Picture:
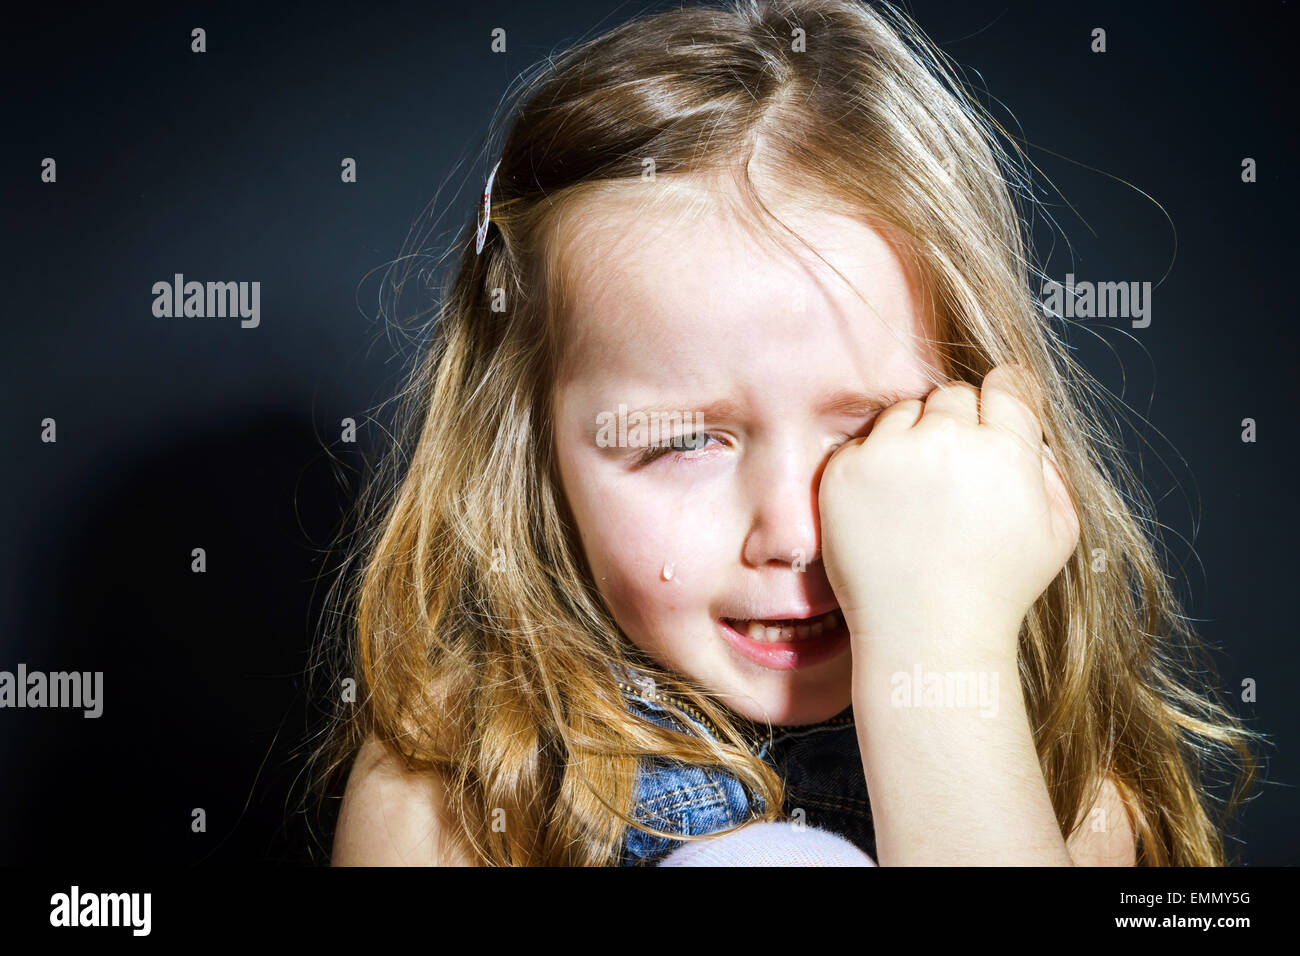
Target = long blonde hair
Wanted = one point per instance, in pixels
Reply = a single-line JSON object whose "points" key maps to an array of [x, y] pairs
{"points": [[466, 613]]}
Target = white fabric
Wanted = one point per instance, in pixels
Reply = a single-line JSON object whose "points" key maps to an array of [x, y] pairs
{"points": [[770, 843]]}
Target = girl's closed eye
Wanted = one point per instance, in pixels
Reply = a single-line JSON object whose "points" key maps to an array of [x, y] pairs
{"points": [[688, 446]]}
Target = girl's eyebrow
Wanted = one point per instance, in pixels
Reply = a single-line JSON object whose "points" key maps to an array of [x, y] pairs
{"points": [[858, 404]]}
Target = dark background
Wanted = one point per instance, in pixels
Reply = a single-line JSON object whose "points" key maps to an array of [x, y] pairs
{"points": [[180, 433]]}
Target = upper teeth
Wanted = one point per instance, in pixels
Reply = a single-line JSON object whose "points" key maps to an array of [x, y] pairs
{"points": [[768, 633]]}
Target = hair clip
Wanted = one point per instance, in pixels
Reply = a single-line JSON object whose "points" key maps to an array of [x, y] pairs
{"points": [[486, 215]]}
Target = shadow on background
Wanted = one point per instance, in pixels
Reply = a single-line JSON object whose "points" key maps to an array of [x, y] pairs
{"points": [[203, 702]]}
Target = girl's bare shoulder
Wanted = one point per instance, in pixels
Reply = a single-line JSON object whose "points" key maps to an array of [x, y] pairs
{"points": [[394, 817], [1104, 835]]}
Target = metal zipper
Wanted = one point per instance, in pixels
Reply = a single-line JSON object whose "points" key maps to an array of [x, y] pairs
{"points": [[754, 745]]}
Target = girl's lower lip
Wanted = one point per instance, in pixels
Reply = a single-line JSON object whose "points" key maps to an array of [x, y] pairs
{"points": [[788, 655]]}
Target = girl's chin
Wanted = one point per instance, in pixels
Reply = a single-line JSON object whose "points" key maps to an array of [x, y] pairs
{"points": [[788, 706], [788, 717]]}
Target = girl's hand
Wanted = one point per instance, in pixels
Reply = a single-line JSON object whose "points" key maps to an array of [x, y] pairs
{"points": [[944, 524]]}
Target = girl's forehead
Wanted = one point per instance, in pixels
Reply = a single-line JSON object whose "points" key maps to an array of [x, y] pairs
{"points": [[661, 289]]}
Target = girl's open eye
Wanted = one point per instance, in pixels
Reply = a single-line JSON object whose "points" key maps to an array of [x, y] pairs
{"points": [[684, 446]]}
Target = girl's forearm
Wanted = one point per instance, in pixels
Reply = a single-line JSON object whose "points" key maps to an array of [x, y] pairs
{"points": [[950, 763]]}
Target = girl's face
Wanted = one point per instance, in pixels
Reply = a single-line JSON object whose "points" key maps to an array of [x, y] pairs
{"points": [[785, 364]]}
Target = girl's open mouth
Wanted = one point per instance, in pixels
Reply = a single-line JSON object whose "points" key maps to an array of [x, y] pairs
{"points": [[770, 632], [788, 644]]}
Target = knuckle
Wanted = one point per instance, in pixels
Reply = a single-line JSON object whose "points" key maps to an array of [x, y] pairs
{"points": [[957, 386]]}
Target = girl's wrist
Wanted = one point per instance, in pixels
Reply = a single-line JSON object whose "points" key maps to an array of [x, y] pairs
{"points": [[948, 689], [973, 643]]}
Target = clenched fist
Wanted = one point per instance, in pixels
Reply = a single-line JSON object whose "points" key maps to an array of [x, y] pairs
{"points": [[944, 524]]}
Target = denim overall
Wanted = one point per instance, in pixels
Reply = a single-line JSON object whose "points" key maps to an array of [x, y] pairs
{"points": [[820, 762]]}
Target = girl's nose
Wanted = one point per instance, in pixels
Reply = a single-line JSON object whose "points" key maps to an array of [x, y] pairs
{"points": [[785, 525]]}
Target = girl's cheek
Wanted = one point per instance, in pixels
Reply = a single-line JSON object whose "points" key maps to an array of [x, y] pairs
{"points": [[655, 551], [651, 582]]}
